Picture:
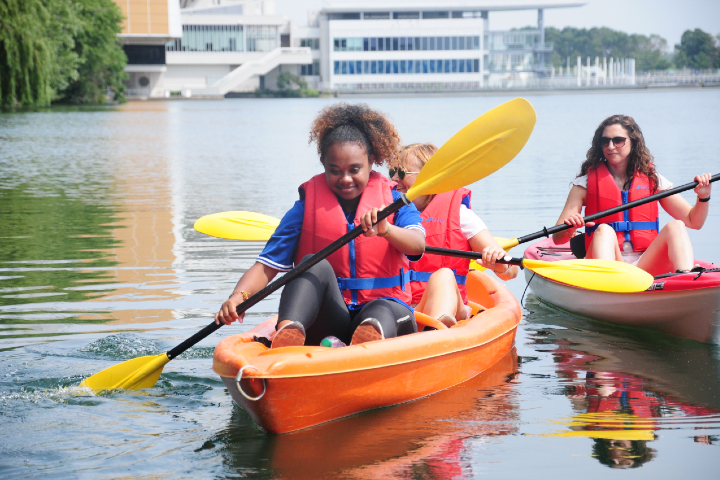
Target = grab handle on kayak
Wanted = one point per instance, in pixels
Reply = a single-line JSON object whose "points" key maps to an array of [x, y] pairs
{"points": [[238, 377]]}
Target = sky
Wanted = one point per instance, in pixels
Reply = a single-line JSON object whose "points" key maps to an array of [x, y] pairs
{"points": [[667, 18]]}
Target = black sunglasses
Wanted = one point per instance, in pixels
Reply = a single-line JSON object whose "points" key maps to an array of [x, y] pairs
{"points": [[400, 172], [617, 141]]}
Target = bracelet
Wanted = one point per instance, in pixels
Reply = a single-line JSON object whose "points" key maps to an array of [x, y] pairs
{"points": [[387, 232], [244, 294], [703, 200]]}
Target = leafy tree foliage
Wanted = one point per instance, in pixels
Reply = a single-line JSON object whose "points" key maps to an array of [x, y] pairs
{"points": [[59, 51], [648, 52], [697, 49]]}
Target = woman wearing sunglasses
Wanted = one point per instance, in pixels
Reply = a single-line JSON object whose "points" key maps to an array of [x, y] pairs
{"points": [[358, 293], [619, 169], [438, 286]]}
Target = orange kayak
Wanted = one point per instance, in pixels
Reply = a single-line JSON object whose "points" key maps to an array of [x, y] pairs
{"points": [[291, 388]]}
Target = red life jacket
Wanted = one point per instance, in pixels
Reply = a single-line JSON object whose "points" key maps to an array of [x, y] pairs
{"points": [[441, 220], [368, 267], [640, 225]]}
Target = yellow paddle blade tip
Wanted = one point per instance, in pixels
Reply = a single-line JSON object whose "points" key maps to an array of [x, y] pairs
{"points": [[483, 146], [140, 372], [238, 225], [600, 275]]}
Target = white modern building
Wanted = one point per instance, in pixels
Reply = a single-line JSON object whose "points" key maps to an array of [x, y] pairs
{"points": [[422, 45], [219, 48]]}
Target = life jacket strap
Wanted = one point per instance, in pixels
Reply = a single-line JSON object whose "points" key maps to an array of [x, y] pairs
{"points": [[372, 283], [627, 226]]}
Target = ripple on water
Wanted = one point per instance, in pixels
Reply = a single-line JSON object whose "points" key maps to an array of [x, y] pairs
{"points": [[121, 346]]}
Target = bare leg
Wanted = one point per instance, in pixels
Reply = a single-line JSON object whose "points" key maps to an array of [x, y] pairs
{"points": [[604, 244], [442, 296], [670, 251]]}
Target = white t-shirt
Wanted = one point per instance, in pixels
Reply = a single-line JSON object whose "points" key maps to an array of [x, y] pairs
{"points": [[629, 256], [470, 224]]}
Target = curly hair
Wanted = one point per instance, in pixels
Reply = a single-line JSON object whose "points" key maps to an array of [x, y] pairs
{"points": [[641, 160], [345, 123], [421, 151]]}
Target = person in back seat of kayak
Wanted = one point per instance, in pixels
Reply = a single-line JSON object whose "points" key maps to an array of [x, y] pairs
{"points": [[438, 286], [359, 293], [619, 169]]}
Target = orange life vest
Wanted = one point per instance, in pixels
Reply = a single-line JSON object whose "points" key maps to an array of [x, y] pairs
{"points": [[640, 225], [441, 220], [368, 267]]}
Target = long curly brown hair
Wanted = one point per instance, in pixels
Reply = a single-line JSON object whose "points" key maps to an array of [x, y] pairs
{"points": [[345, 123], [641, 160]]}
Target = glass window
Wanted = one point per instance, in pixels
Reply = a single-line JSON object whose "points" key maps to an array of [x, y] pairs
{"points": [[358, 67], [476, 43], [381, 44], [351, 68], [432, 66], [395, 66], [344, 16], [417, 66], [435, 15], [376, 15], [262, 38], [403, 66], [454, 66], [406, 15], [373, 66], [439, 43], [395, 43], [425, 66], [366, 67], [366, 44], [417, 43], [410, 66], [476, 65], [447, 66], [388, 66], [373, 44], [336, 44], [454, 45], [343, 68], [424, 43], [447, 43], [388, 44], [461, 68], [403, 41]]}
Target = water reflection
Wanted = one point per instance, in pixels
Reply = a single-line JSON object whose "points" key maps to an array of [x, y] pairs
{"points": [[626, 387], [421, 439]]}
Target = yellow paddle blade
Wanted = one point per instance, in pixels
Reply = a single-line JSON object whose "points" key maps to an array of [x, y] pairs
{"points": [[496, 137], [608, 425], [503, 244], [141, 372], [601, 275], [606, 434], [239, 225]]}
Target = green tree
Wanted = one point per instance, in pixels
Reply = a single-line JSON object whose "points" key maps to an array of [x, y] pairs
{"points": [[649, 52], [26, 53], [697, 49], [102, 59], [59, 50]]}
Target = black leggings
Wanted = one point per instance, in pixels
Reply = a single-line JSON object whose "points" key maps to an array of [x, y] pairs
{"points": [[314, 300]]}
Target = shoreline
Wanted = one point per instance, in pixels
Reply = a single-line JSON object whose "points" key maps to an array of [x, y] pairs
{"points": [[464, 93]]}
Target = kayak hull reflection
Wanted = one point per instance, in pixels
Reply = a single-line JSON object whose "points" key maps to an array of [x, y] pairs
{"points": [[306, 386]]}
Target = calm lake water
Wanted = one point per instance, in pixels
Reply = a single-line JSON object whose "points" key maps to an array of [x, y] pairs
{"points": [[99, 263]]}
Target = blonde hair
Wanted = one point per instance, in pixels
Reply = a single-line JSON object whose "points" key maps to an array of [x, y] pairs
{"points": [[421, 151]]}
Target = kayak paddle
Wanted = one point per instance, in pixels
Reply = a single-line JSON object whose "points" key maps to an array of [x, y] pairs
{"points": [[483, 146], [601, 275], [546, 232]]}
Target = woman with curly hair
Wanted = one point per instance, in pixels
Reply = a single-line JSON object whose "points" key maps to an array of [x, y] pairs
{"points": [[438, 286], [619, 169], [358, 293]]}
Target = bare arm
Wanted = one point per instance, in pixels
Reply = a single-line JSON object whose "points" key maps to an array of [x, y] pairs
{"points": [[252, 281], [692, 216], [491, 252], [409, 241], [572, 214]]}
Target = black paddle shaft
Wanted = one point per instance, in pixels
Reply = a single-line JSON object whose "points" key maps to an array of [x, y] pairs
{"points": [[546, 232], [471, 255], [289, 276]]}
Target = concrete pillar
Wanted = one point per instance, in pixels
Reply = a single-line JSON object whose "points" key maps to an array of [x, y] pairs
{"points": [[579, 72], [597, 71], [587, 71], [632, 71], [325, 48], [604, 70], [541, 28], [610, 70]]}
